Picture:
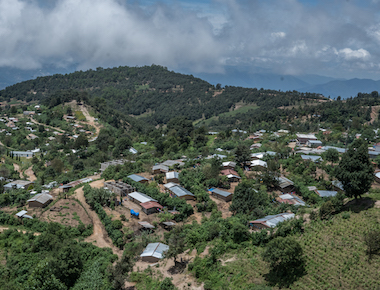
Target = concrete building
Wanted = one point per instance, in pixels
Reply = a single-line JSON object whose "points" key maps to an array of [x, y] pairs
{"points": [[120, 188]]}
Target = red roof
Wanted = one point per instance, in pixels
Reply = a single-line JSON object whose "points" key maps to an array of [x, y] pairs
{"points": [[229, 171], [151, 204]]}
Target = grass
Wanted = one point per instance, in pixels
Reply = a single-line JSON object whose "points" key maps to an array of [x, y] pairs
{"points": [[142, 87], [79, 116]]}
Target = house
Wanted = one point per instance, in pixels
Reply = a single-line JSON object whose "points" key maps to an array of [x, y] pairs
{"points": [[26, 154], [221, 194], [377, 177], [150, 207], [326, 193], [29, 113], [229, 165], [261, 155], [172, 177], [303, 138], [255, 146], [138, 197], [291, 199], [138, 178], [258, 165], [314, 143], [313, 158], [180, 192], [271, 221], [65, 187], [154, 252], [285, 184], [18, 184], [340, 150], [232, 175], [120, 188], [160, 168], [40, 200]]}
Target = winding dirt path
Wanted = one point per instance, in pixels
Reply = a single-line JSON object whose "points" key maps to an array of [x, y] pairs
{"points": [[50, 127], [17, 168], [31, 176], [99, 237], [90, 120]]}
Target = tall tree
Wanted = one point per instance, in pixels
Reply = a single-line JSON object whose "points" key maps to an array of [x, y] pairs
{"points": [[242, 154], [355, 170]]}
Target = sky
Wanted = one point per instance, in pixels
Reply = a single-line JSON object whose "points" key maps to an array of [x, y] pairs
{"points": [[337, 38]]}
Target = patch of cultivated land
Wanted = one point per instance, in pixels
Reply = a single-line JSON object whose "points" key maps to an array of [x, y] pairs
{"points": [[70, 212]]}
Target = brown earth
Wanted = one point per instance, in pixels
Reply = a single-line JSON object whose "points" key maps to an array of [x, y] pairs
{"points": [[17, 168], [31, 176]]}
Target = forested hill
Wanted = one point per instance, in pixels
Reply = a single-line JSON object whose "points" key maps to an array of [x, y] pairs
{"points": [[151, 92]]}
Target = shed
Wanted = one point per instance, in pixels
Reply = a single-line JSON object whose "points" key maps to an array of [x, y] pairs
{"points": [[258, 165], [138, 178], [221, 194], [40, 200], [229, 165], [232, 175], [146, 225], [326, 193], [150, 207], [172, 177], [138, 197], [291, 199], [180, 192], [154, 252], [271, 221], [285, 184], [22, 214]]}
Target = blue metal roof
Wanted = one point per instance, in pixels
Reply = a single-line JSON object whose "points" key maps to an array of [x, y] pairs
{"points": [[136, 177]]}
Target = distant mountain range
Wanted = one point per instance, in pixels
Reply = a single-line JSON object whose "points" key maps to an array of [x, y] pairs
{"points": [[327, 86]]}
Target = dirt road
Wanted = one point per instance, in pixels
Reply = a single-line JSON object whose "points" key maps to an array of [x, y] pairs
{"points": [[99, 237], [17, 168], [90, 120], [31, 176], [50, 127]]}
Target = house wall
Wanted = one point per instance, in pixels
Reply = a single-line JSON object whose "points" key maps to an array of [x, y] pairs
{"points": [[38, 204], [150, 259], [218, 196], [174, 180]]}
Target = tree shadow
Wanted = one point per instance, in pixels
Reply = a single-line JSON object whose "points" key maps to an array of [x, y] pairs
{"points": [[285, 275], [358, 205]]}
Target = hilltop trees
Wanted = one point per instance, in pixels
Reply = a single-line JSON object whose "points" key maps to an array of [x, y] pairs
{"points": [[355, 170]]}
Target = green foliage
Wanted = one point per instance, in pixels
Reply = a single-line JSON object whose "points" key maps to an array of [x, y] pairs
{"points": [[372, 241], [355, 170], [242, 154]]}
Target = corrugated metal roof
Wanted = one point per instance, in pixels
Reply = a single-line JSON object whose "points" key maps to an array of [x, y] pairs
{"points": [[151, 204], [170, 184], [220, 192], [313, 158], [284, 182], [21, 213], [180, 191], [172, 174], [136, 177], [156, 250], [274, 220], [326, 193], [140, 197], [161, 167], [41, 198]]}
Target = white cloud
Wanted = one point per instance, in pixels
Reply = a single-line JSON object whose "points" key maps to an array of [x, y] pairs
{"points": [[350, 54]]}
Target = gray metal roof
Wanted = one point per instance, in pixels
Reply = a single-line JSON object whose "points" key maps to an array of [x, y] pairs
{"points": [[141, 197], [172, 174], [326, 193], [21, 213], [156, 250], [180, 191], [220, 192], [312, 158], [41, 198], [274, 220], [173, 162], [136, 177], [284, 182], [160, 166]]}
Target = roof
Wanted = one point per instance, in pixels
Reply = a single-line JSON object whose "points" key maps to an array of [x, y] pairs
{"points": [[173, 162], [291, 199], [146, 225], [180, 191], [258, 163], [141, 197], [18, 183], [306, 136], [315, 142], [136, 177], [229, 172], [133, 150], [170, 184], [340, 150], [220, 192], [229, 163], [218, 156], [156, 250], [151, 204], [172, 174], [274, 220], [41, 198], [326, 193], [169, 224], [313, 158], [284, 182], [338, 184], [21, 213], [161, 167]]}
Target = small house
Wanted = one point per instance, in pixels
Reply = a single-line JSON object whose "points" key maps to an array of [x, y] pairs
{"points": [[138, 197], [154, 252], [232, 175], [172, 177], [171, 163], [160, 168], [271, 221], [313, 143], [229, 165], [138, 178], [23, 214], [18, 184], [285, 184], [40, 200], [221, 194], [303, 138], [326, 193], [291, 199], [312, 158], [150, 207], [180, 192], [258, 165]]}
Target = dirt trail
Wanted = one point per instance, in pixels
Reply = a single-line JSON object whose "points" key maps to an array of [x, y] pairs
{"points": [[374, 114], [99, 236], [50, 127], [90, 120], [17, 168], [31, 176], [23, 231]]}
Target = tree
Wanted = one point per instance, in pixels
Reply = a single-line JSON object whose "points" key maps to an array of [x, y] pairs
{"points": [[57, 165], [176, 243], [331, 155], [120, 270], [81, 142], [246, 199], [372, 241], [286, 259], [355, 170], [242, 154]]}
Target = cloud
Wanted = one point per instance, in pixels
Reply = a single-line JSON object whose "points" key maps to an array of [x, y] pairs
{"points": [[328, 37]]}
